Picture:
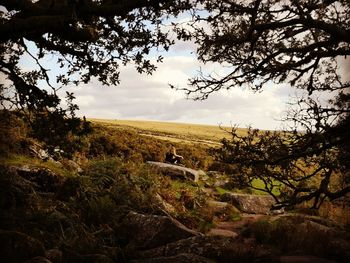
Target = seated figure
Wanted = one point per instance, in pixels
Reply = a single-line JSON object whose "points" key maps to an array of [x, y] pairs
{"points": [[172, 157]]}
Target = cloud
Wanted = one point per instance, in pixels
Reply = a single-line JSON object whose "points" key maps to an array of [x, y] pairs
{"points": [[151, 98]]}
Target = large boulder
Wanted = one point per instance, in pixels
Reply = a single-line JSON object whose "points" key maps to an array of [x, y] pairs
{"points": [[19, 247], [251, 204], [149, 231], [176, 171]]}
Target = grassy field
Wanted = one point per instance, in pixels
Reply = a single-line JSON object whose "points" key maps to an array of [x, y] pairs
{"points": [[176, 132]]}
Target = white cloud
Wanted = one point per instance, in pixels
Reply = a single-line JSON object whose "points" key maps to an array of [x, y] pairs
{"points": [[150, 97]]}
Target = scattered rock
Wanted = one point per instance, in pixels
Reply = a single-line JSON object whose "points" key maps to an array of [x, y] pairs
{"points": [[221, 232], [217, 248], [149, 231], [252, 204], [181, 258], [38, 152], [14, 189], [177, 172], [164, 205], [74, 166], [19, 247], [44, 179]]}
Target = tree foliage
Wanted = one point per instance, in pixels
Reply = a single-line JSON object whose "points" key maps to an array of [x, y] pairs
{"points": [[259, 42], [300, 43], [88, 38]]}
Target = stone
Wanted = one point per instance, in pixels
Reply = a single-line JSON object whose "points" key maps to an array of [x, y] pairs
{"points": [[217, 248], [149, 231], [73, 165], [162, 204], [177, 172], [19, 247], [15, 189], [44, 179], [181, 258], [221, 232], [251, 204]]}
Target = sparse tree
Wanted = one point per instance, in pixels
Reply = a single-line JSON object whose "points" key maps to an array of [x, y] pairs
{"points": [[300, 43], [87, 38]]}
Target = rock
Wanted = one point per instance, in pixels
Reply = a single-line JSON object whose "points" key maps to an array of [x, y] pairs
{"points": [[164, 205], [252, 204], [304, 259], [38, 152], [38, 260], [15, 190], [177, 172], [74, 166], [217, 248], [149, 231], [221, 232], [54, 255], [19, 247], [181, 258], [45, 180]]}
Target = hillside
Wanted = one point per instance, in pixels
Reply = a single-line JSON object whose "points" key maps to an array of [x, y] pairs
{"points": [[171, 131], [108, 203]]}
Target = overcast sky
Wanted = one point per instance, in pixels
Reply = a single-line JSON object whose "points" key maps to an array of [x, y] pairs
{"points": [[144, 97]]}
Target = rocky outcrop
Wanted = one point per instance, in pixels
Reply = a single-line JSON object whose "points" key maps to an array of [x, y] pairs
{"points": [[216, 248], [252, 204], [150, 231], [19, 247], [177, 172]]}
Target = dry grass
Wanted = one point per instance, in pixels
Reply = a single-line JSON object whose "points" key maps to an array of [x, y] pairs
{"points": [[175, 132]]}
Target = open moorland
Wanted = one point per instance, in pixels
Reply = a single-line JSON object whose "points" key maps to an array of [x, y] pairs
{"points": [[172, 131], [115, 200]]}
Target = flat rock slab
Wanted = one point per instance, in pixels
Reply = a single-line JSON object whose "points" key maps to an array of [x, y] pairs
{"points": [[251, 204], [176, 171]]}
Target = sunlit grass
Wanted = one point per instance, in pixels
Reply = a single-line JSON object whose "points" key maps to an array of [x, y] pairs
{"points": [[23, 160], [207, 134]]}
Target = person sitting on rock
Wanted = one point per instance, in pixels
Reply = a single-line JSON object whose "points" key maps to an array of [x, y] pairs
{"points": [[172, 157]]}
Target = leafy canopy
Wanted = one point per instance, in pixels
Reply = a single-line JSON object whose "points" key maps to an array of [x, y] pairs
{"points": [[300, 43]]}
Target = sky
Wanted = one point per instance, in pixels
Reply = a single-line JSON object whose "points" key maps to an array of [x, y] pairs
{"points": [[145, 97]]}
